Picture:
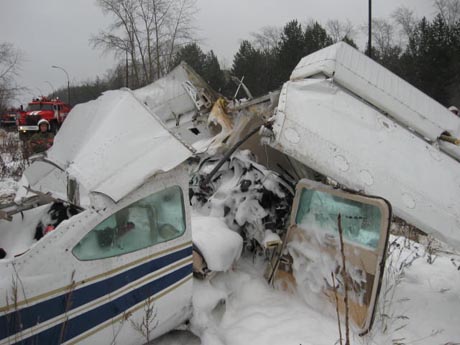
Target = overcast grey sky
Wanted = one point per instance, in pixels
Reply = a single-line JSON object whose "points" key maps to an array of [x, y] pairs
{"points": [[57, 32]]}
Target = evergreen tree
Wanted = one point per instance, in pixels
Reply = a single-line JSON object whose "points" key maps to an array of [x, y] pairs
{"points": [[248, 63], [430, 61], [316, 38], [212, 73], [291, 49], [206, 65], [193, 55], [350, 41]]}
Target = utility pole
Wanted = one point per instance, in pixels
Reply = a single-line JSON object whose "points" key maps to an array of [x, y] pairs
{"points": [[126, 69], [68, 81], [369, 43]]}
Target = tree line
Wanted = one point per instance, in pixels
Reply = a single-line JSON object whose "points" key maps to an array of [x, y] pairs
{"points": [[151, 37]]}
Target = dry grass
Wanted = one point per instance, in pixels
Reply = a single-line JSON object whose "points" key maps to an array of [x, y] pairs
{"points": [[13, 155]]}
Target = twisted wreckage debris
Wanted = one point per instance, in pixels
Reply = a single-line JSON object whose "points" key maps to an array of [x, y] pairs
{"points": [[102, 223]]}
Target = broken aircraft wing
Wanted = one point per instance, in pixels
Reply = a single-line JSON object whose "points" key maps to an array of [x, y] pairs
{"points": [[110, 145], [364, 77], [178, 99], [320, 123]]}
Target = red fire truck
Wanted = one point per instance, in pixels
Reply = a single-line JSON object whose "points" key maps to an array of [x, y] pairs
{"points": [[53, 110], [9, 118]]}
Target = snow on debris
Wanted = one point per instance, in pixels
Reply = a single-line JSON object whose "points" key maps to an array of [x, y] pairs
{"points": [[220, 246], [109, 154], [255, 313], [419, 305], [8, 189], [251, 198]]}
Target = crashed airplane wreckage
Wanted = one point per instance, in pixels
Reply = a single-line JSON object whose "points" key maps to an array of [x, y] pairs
{"points": [[101, 227]]}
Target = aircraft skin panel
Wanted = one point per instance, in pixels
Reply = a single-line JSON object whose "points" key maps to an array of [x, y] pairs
{"points": [[335, 133], [83, 314], [112, 145], [374, 83], [62, 299]]}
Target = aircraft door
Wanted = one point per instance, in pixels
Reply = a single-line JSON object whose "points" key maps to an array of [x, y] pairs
{"points": [[320, 244]]}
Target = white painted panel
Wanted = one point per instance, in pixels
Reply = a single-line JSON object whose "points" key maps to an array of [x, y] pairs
{"points": [[335, 133]]}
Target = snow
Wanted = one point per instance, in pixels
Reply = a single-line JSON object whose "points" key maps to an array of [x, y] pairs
{"points": [[315, 123], [111, 145], [420, 307], [255, 313], [8, 188], [120, 138], [419, 304], [270, 238], [246, 194], [374, 83], [220, 246]]}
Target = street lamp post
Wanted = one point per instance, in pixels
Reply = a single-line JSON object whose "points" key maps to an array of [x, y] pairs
{"points": [[369, 43], [68, 82]]}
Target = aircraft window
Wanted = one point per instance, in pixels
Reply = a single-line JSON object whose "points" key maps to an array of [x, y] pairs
{"points": [[158, 218], [360, 222]]}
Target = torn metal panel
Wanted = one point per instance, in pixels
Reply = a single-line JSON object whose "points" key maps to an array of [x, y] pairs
{"points": [[179, 97], [179, 92], [111, 145], [374, 83], [335, 133]]}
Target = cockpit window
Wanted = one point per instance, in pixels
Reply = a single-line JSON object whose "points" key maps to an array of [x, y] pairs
{"points": [[158, 218], [360, 222]]}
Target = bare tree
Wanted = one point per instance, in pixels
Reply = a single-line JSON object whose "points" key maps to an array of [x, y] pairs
{"points": [[383, 33], [180, 30], [10, 61], [119, 38], [267, 38], [146, 31], [339, 30], [449, 10], [405, 18]]}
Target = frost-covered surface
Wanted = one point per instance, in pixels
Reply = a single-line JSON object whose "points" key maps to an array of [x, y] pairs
{"points": [[8, 188], [18, 236], [12, 160], [112, 145], [220, 246], [167, 96], [324, 126], [255, 313], [380, 87], [419, 304], [12, 164], [251, 198]]}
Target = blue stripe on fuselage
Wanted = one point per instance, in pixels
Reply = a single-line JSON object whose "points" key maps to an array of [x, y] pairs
{"points": [[74, 327], [28, 317]]}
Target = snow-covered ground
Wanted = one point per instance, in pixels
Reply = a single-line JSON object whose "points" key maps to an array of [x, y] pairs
{"points": [[419, 303], [8, 188]]}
